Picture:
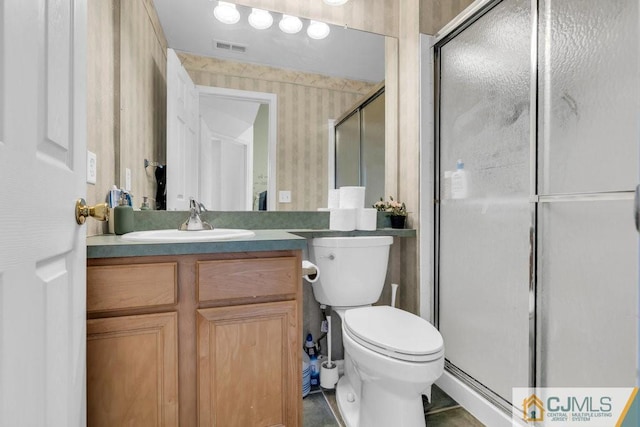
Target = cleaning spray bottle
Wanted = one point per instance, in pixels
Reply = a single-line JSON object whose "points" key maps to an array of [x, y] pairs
{"points": [[310, 349]]}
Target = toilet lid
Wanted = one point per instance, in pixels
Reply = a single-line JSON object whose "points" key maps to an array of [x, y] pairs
{"points": [[394, 332]]}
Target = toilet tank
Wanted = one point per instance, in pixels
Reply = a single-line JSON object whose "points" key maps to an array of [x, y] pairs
{"points": [[352, 269]]}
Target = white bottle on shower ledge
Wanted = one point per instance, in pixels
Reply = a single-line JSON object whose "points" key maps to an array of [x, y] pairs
{"points": [[459, 185]]}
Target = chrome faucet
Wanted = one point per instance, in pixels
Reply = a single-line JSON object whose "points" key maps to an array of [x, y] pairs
{"points": [[194, 222]]}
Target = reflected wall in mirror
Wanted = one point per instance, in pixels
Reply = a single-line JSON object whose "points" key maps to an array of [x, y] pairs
{"points": [[127, 107], [314, 81], [238, 150], [219, 142], [303, 130]]}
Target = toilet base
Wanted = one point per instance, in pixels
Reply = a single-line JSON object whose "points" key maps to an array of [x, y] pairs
{"points": [[348, 410], [382, 409]]}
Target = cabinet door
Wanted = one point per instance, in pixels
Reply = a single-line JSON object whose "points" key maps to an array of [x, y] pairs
{"points": [[132, 371], [249, 366]]}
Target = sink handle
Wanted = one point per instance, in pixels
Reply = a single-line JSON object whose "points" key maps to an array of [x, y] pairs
{"points": [[194, 222]]}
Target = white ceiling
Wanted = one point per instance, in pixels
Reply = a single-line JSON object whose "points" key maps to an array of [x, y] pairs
{"points": [[227, 117], [190, 26]]}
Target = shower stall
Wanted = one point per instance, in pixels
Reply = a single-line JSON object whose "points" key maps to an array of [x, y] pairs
{"points": [[536, 268]]}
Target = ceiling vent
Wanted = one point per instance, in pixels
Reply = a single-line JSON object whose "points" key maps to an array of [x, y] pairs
{"points": [[231, 47]]}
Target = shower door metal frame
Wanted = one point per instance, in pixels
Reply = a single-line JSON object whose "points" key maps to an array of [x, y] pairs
{"points": [[449, 32]]}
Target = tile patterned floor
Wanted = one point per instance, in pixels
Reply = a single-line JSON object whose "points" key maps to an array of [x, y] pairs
{"points": [[321, 410], [317, 412]]}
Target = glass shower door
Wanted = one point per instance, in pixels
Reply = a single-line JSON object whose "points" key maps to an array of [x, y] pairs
{"points": [[373, 150], [588, 157], [485, 238], [348, 151]]}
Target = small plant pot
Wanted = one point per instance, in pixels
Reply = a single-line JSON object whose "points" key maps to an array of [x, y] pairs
{"points": [[397, 221]]}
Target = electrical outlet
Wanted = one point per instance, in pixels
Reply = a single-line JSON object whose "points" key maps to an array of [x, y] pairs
{"points": [[284, 196], [127, 179], [92, 167]]}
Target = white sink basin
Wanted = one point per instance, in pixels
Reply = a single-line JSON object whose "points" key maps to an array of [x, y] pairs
{"points": [[214, 235]]}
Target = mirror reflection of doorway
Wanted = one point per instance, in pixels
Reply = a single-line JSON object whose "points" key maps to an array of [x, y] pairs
{"points": [[234, 147], [221, 145], [244, 123]]}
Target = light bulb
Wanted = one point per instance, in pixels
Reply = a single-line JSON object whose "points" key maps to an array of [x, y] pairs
{"points": [[226, 12], [318, 30], [260, 19], [335, 2], [290, 24]]}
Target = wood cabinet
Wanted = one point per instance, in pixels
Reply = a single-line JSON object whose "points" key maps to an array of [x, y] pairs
{"points": [[132, 371], [132, 360], [247, 366], [195, 340]]}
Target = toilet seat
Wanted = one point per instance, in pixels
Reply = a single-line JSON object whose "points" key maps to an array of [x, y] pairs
{"points": [[394, 333]]}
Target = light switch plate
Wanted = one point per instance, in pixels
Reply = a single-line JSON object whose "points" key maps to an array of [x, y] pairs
{"points": [[127, 179], [284, 196], [92, 167]]}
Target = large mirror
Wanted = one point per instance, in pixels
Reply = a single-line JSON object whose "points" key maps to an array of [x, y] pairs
{"points": [[313, 81]]}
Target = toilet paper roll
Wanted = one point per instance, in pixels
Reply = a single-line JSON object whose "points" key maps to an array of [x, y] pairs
{"points": [[308, 265], [342, 219], [334, 199], [352, 197], [367, 219]]}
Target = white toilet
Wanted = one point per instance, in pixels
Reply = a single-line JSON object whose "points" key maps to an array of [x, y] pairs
{"points": [[392, 357]]}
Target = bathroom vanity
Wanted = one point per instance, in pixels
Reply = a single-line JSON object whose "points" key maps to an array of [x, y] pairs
{"points": [[195, 333]]}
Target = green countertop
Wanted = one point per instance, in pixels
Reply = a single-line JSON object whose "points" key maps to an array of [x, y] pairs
{"points": [[110, 246]]}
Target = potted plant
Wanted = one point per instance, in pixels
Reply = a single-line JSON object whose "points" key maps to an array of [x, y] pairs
{"points": [[396, 211]]}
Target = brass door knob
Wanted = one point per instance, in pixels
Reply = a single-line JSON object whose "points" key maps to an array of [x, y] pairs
{"points": [[99, 211]]}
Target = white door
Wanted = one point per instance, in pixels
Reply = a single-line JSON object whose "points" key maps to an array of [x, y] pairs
{"points": [[42, 249], [182, 135], [234, 170], [209, 169]]}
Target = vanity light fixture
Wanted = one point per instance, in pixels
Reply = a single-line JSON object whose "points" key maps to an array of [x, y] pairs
{"points": [[335, 2], [226, 12], [318, 30], [290, 24], [260, 19]]}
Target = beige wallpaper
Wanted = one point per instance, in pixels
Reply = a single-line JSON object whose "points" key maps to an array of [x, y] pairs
{"points": [[143, 93], [126, 96], [409, 144], [305, 103], [102, 71], [435, 14], [391, 117]]}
